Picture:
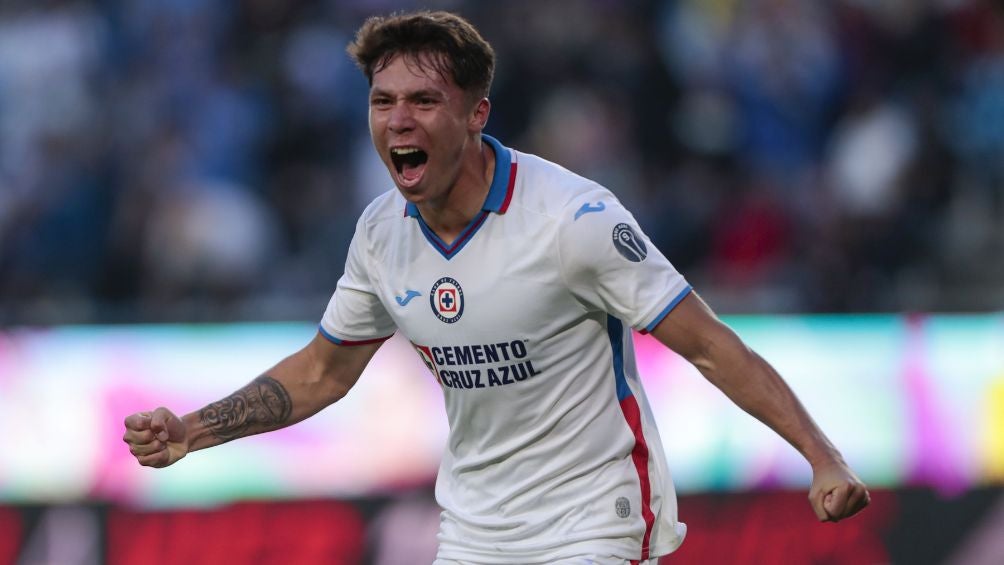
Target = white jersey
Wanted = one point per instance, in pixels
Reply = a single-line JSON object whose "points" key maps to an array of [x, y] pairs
{"points": [[525, 321]]}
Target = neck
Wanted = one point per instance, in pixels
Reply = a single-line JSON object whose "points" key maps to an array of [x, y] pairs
{"points": [[450, 215]]}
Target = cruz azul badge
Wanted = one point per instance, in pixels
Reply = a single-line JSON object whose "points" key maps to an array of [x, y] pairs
{"points": [[447, 300]]}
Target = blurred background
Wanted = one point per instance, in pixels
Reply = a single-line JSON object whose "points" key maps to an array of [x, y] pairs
{"points": [[179, 182]]}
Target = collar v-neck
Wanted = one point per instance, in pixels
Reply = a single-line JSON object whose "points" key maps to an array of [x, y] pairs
{"points": [[498, 199]]}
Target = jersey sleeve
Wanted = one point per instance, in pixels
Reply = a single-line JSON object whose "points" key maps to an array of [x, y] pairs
{"points": [[355, 314], [609, 264]]}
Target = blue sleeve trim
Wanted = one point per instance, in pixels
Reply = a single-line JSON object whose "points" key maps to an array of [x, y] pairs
{"points": [[679, 297], [337, 341]]}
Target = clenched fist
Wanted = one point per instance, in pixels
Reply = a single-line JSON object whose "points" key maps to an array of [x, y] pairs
{"points": [[156, 439], [836, 492]]}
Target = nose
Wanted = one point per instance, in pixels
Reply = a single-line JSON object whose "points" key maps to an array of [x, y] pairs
{"points": [[400, 119]]}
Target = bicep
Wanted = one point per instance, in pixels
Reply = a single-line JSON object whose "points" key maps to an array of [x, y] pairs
{"points": [[337, 366], [693, 331]]}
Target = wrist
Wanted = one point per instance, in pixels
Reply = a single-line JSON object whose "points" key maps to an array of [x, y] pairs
{"points": [[197, 436], [824, 456]]}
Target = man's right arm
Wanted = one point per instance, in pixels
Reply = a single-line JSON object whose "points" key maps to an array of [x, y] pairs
{"points": [[298, 387]]}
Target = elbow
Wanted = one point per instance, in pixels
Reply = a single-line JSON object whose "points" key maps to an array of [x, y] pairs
{"points": [[702, 356], [329, 386], [334, 383], [337, 391]]}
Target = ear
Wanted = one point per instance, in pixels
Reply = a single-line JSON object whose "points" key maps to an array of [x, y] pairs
{"points": [[479, 115]]}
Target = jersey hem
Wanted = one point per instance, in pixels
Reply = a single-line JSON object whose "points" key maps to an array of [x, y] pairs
{"points": [[510, 557], [654, 553]]}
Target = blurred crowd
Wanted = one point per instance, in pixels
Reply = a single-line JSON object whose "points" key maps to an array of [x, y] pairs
{"points": [[205, 160]]}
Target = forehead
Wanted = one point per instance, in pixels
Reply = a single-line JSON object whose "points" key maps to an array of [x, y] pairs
{"points": [[413, 70]]}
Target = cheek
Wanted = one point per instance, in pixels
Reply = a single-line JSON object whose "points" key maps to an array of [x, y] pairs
{"points": [[378, 135], [378, 120]]}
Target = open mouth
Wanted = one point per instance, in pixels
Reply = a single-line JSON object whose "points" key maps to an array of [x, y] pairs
{"points": [[409, 162]]}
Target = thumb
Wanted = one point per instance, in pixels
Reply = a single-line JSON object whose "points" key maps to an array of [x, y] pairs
{"points": [[166, 426], [835, 502]]}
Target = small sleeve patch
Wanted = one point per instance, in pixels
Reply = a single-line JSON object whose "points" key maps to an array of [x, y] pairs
{"points": [[629, 244]]}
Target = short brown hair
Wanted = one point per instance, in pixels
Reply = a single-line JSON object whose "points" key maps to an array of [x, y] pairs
{"points": [[463, 54]]}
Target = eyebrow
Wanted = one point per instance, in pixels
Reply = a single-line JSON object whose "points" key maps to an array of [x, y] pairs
{"points": [[422, 93]]}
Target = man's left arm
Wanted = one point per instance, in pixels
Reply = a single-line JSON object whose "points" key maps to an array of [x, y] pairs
{"points": [[692, 330]]}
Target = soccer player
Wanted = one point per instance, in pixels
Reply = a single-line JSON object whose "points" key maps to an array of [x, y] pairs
{"points": [[518, 283]]}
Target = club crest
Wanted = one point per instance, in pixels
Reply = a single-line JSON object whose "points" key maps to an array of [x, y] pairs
{"points": [[447, 300], [623, 507], [628, 244]]}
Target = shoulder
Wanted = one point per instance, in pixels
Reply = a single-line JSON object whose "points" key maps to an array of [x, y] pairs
{"points": [[549, 189], [375, 228], [384, 210]]}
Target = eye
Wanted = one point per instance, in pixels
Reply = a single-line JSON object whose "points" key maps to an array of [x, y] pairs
{"points": [[426, 101], [380, 102]]}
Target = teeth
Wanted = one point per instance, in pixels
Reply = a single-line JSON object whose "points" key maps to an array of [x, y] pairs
{"points": [[404, 150]]}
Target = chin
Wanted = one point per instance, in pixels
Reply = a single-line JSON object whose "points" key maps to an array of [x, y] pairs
{"points": [[410, 192], [414, 194]]}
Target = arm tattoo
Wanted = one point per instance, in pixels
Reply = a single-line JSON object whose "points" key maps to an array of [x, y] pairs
{"points": [[260, 406]]}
